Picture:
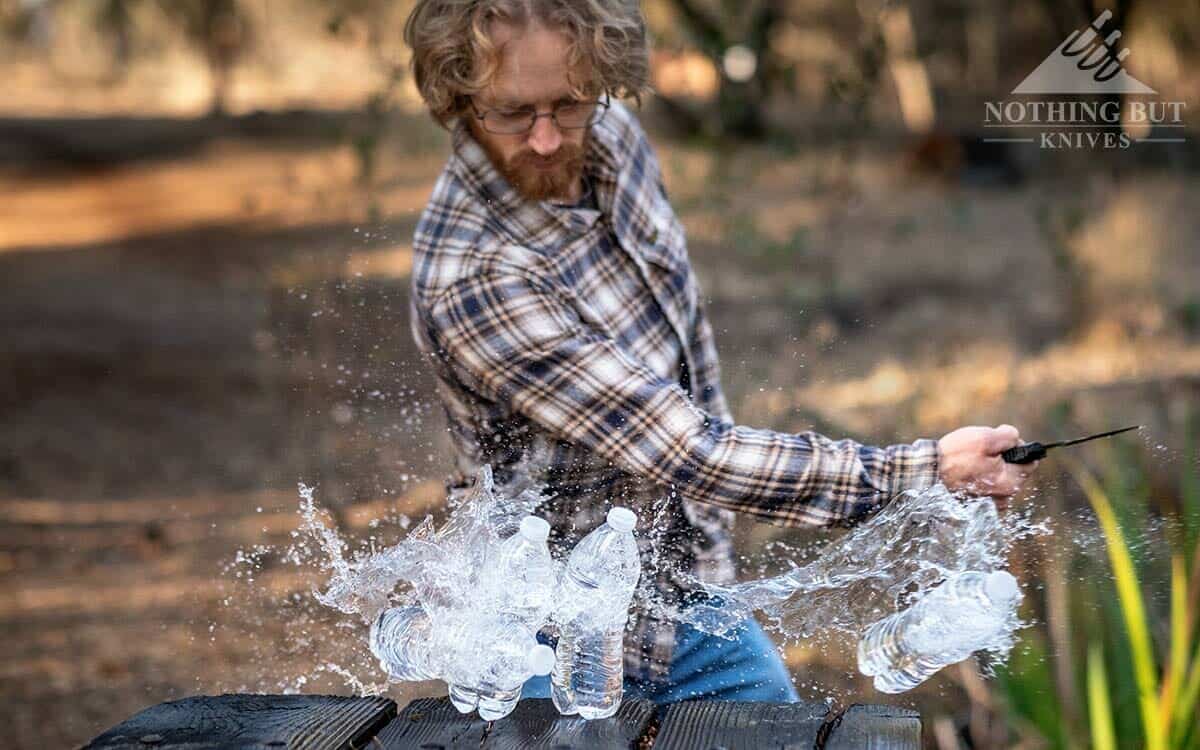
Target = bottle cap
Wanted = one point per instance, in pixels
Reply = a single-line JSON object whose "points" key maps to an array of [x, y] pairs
{"points": [[622, 519], [1000, 586], [535, 529], [540, 660]]}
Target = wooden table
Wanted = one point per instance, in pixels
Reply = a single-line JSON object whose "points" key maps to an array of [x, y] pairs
{"points": [[323, 722]]}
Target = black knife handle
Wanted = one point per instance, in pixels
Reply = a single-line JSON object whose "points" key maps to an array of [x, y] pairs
{"points": [[1025, 453]]}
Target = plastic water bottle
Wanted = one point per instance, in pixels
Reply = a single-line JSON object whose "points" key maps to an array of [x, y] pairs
{"points": [[402, 638], [968, 612], [488, 671], [594, 596], [521, 577]]}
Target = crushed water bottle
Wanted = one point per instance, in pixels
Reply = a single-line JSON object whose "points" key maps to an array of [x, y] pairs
{"points": [[402, 638], [487, 671], [521, 576], [594, 597], [970, 611]]}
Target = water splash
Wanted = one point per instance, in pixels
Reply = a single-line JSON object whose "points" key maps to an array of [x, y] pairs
{"points": [[880, 566], [358, 587], [438, 567]]}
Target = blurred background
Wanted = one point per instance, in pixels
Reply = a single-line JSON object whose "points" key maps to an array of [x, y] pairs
{"points": [[206, 212]]}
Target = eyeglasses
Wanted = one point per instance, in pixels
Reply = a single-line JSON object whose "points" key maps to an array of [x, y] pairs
{"points": [[571, 115]]}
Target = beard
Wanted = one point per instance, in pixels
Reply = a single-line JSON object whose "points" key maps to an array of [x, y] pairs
{"points": [[538, 178]]}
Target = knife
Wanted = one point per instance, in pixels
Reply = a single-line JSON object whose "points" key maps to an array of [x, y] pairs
{"points": [[1027, 453]]}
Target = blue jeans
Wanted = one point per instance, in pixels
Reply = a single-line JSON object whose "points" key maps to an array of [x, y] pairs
{"points": [[747, 668]]}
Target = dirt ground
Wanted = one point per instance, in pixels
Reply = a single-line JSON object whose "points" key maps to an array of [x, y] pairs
{"points": [[188, 336]]}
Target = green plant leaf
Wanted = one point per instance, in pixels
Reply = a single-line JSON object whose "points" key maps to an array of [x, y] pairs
{"points": [[1186, 706], [1180, 639], [1132, 607], [1099, 710]]}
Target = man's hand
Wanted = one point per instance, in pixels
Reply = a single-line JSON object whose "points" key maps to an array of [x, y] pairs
{"points": [[969, 459]]}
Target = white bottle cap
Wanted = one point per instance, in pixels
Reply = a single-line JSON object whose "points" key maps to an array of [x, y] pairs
{"points": [[540, 660], [1001, 587], [622, 519], [535, 529]]}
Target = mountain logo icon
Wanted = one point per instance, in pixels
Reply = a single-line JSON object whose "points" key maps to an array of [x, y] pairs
{"points": [[1085, 63]]}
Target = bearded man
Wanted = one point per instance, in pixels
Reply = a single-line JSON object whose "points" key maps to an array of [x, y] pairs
{"points": [[553, 294]]}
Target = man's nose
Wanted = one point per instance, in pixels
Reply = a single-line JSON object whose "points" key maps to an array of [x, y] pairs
{"points": [[545, 138]]}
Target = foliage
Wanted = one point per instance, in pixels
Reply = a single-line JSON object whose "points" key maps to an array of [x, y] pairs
{"points": [[1140, 664], [746, 27]]}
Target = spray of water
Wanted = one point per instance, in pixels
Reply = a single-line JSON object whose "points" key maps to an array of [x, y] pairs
{"points": [[438, 567], [879, 567]]}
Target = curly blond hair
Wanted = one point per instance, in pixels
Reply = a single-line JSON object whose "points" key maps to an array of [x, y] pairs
{"points": [[453, 57]]}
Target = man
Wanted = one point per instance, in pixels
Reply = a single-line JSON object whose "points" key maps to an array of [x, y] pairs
{"points": [[553, 294]]}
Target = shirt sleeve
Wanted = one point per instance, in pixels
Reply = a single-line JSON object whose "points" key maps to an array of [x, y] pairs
{"points": [[511, 339], [707, 376]]}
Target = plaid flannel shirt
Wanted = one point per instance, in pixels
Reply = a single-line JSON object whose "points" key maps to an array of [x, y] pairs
{"points": [[571, 347]]}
